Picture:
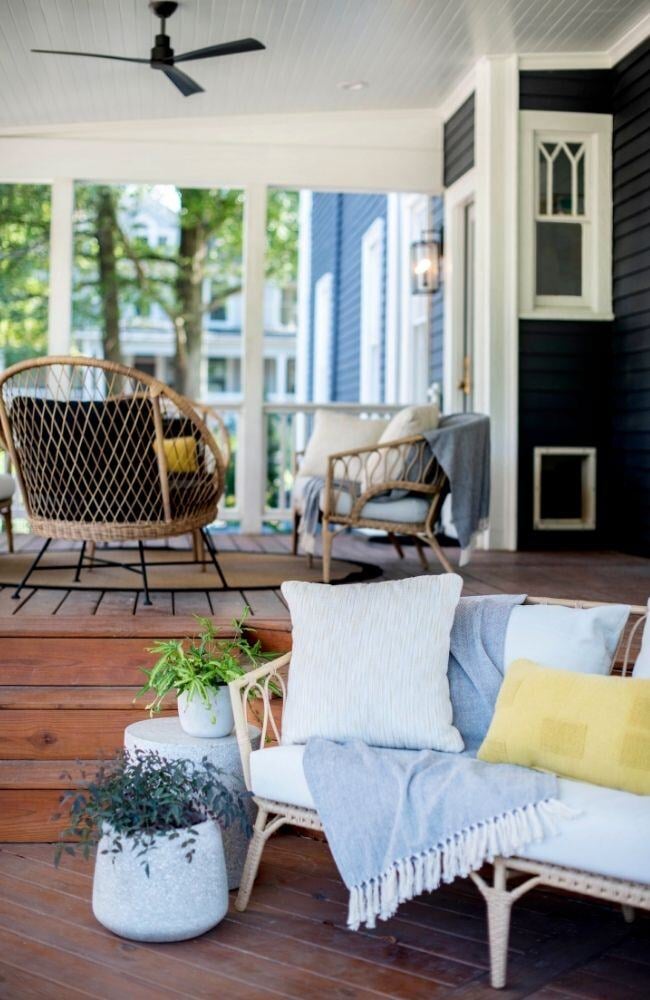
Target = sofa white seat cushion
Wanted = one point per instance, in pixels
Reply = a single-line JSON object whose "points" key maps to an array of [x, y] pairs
{"points": [[7, 486], [608, 837], [408, 510], [277, 774]]}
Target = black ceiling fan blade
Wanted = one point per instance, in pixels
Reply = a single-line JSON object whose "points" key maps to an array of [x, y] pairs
{"points": [[185, 83], [226, 49], [90, 55]]}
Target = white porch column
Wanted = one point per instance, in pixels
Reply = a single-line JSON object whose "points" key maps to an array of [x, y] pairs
{"points": [[497, 329], [252, 442], [59, 330]]}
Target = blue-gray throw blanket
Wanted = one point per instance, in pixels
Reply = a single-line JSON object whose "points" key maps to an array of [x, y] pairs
{"points": [[461, 444], [399, 822]]}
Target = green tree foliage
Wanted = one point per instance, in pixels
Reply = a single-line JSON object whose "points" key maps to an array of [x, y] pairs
{"points": [[24, 270]]}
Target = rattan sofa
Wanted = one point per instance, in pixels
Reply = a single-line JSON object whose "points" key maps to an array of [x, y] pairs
{"points": [[281, 794], [106, 453], [398, 487]]}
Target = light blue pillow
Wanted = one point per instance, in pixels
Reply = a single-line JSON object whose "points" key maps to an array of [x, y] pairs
{"points": [[580, 639]]}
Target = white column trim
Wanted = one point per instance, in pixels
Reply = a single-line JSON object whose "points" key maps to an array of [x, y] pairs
{"points": [[393, 296], [497, 324], [456, 198], [59, 328], [252, 451]]}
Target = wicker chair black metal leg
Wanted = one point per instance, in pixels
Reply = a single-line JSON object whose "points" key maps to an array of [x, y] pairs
{"points": [[23, 582], [143, 566], [80, 562], [213, 555]]}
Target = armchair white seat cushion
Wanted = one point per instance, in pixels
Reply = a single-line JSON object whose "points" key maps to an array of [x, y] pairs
{"points": [[405, 510], [7, 486], [370, 662], [409, 510]]}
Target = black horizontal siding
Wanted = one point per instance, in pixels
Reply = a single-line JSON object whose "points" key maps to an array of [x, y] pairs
{"points": [[588, 91], [630, 372], [563, 401], [459, 142]]}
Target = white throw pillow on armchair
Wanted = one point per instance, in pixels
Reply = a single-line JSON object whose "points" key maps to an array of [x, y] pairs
{"points": [[334, 432], [369, 662]]}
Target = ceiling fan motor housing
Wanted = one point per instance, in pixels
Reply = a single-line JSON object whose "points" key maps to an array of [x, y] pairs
{"points": [[163, 8]]}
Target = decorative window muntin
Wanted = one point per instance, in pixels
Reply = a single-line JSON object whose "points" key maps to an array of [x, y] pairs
{"points": [[561, 250]]}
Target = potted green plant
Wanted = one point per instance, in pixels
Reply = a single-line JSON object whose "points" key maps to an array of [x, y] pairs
{"points": [[199, 669], [160, 872]]}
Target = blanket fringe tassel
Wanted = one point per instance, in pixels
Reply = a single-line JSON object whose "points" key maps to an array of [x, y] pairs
{"points": [[455, 858]]}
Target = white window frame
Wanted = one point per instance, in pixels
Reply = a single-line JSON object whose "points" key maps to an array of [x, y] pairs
{"points": [[372, 284], [595, 133], [323, 315]]}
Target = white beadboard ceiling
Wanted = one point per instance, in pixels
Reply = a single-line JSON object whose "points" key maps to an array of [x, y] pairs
{"points": [[412, 53]]}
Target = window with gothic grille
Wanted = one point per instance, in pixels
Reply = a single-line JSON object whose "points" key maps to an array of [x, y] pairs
{"points": [[565, 215]]}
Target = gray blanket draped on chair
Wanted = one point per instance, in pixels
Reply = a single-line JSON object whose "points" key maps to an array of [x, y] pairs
{"points": [[399, 822]]}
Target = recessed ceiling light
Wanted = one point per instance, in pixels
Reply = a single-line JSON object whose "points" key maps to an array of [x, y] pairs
{"points": [[353, 85]]}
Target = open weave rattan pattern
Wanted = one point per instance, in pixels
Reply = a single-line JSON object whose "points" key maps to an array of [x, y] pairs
{"points": [[499, 895], [405, 465], [86, 440]]}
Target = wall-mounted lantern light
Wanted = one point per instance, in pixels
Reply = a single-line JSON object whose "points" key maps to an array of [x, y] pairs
{"points": [[426, 256]]}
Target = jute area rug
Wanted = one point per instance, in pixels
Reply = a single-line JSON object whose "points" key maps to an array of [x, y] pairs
{"points": [[173, 569]]}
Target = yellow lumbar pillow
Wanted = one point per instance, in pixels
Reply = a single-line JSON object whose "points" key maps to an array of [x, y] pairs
{"points": [[180, 454], [583, 726]]}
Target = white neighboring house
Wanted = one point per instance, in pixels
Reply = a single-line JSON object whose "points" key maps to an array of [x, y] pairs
{"points": [[147, 339]]}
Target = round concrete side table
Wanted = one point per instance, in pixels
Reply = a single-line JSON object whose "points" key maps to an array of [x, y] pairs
{"points": [[166, 737]]}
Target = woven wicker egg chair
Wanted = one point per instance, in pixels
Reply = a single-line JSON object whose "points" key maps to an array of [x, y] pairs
{"points": [[106, 453]]}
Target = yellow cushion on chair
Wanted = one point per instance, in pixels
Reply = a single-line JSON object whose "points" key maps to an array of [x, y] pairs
{"points": [[180, 454], [583, 726]]}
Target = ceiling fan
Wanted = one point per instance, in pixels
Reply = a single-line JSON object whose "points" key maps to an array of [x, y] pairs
{"points": [[162, 54]]}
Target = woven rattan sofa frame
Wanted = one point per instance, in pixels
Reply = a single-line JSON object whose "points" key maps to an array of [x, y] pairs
{"points": [[419, 473], [116, 531], [498, 895]]}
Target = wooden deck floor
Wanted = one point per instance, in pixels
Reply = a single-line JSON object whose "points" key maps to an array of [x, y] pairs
{"points": [[292, 942], [599, 576]]}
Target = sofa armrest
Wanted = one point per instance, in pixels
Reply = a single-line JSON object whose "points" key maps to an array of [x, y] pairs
{"points": [[260, 683]]}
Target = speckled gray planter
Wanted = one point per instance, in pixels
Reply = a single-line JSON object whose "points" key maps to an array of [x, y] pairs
{"points": [[167, 738], [178, 900]]}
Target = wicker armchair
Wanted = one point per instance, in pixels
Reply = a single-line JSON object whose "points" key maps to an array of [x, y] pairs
{"points": [[254, 700], [107, 453], [401, 489]]}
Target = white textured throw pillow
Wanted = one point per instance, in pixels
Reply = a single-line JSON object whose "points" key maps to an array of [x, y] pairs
{"points": [[335, 432], [370, 661], [642, 665], [412, 420], [580, 639], [395, 464]]}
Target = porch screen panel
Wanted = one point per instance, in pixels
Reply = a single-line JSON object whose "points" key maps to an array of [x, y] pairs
{"points": [[24, 270]]}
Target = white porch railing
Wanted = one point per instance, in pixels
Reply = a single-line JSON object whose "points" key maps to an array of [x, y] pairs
{"points": [[287, 428]]}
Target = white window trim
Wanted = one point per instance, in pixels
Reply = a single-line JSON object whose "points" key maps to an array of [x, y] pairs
{"points": [[323, 302], [371, 337], [595, 131]]}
